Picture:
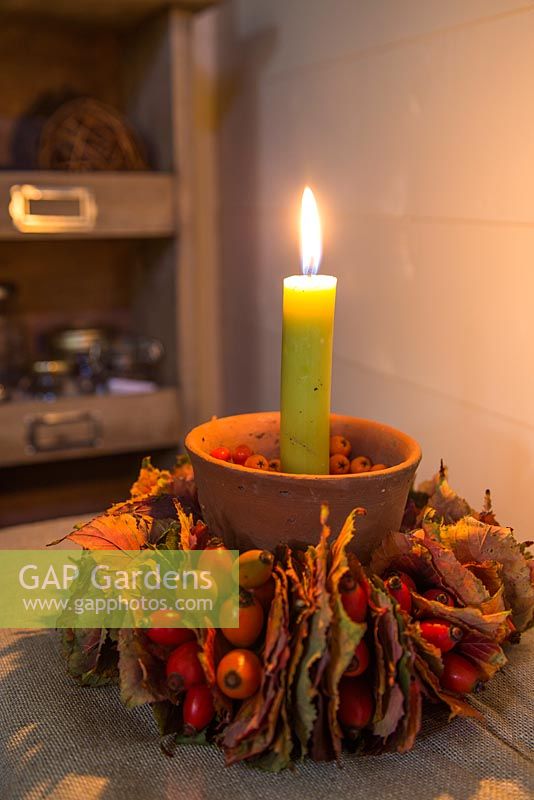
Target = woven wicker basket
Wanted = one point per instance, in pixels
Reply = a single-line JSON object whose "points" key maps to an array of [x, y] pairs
{"points": [[84, 135]]}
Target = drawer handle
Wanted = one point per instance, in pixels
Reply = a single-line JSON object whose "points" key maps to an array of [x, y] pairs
{"points": [[61, 210], [66, 430]]}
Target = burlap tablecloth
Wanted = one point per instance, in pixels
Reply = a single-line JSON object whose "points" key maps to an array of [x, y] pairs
{"points": [[61, 741]]}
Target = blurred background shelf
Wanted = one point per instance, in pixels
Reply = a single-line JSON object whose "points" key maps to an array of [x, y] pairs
{"points": [[132, 253], [128, 205], [121, 13], [91, 426]]}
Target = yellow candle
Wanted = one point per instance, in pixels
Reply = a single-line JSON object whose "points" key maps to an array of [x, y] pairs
{"points": [[307, 335]]}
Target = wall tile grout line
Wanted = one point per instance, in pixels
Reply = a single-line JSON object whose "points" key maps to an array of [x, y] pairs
{"points": [[297, 70], [236, 211], [488, 412]]}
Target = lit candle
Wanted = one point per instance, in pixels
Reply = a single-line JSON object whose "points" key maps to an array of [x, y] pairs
{"points": [[307, 334]]}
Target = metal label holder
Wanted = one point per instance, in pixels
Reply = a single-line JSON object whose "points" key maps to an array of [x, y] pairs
{"points": [[26, 221]]}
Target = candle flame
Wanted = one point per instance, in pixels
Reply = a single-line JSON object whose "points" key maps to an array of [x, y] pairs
{"points": [[311, 247]]}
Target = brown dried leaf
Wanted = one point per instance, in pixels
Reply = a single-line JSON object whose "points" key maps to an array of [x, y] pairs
{"points": [[410, 723], [459, 580], [142, 673], [150, 481], [472, 540], [489, 572], [312, 662], [447, 504], [389, 697], [91, 655], [487, 654], [457, 706], [491, 625], [253, 729], [112, 532], [345, 634], [214, 646]]}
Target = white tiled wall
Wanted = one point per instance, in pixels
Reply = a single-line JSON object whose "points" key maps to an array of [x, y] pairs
{"points": [[414, 123]]}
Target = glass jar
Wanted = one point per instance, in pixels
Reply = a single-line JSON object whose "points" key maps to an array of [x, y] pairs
{"points": [[51, 380], [84, 350]]}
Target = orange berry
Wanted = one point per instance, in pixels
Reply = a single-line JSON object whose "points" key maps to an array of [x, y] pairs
{"points": [[249, 617], [340, 446], [376, 467], [339, 465], [360, 464], [257, 461], [274, 465], [239, 674]]}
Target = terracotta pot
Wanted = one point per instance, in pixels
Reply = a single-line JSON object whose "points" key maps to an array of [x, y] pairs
{"points": [[251, 508]]}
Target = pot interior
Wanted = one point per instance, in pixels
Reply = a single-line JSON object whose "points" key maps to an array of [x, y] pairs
{"points": [[261, 432]]}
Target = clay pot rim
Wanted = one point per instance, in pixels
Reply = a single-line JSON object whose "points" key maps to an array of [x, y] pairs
{"points": [[414, 457]]}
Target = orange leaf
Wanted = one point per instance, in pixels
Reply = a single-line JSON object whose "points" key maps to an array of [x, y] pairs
{"points": [[150, 481], [112, 532]]}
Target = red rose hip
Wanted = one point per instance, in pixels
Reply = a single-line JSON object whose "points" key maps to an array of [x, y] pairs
{"points": [[439, 596], [353, 597], [356, 703], [359, 661], [441, 634], [169, 637], [400, 590], [460, 675], [222, 453], [241, 453], [198, 709], [405, 578], [184, 669]]}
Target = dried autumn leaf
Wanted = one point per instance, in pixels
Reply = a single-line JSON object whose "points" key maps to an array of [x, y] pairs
{"points": [[150, 481], [410, 723], [214, 646], [154, 490], [471, 540], [186, 527], [91, 655], [312, 665], [168, 716], [491, 625], [456, 705], [142, 673], [442, 499], [427, 662], [303, 605], [157, 507], [486, 515], [495, 603], [457, 578], [429, 563], [483, 652], [253, 729], [278, 756], [345, 634], [425, 650], [406, 552], [489, 572], [389, 707], [183, 469], [111, 532]]}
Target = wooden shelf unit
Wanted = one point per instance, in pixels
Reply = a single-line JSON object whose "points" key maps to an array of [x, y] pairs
{"points": [[137, 267], [91, 426], [127, 205]]}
